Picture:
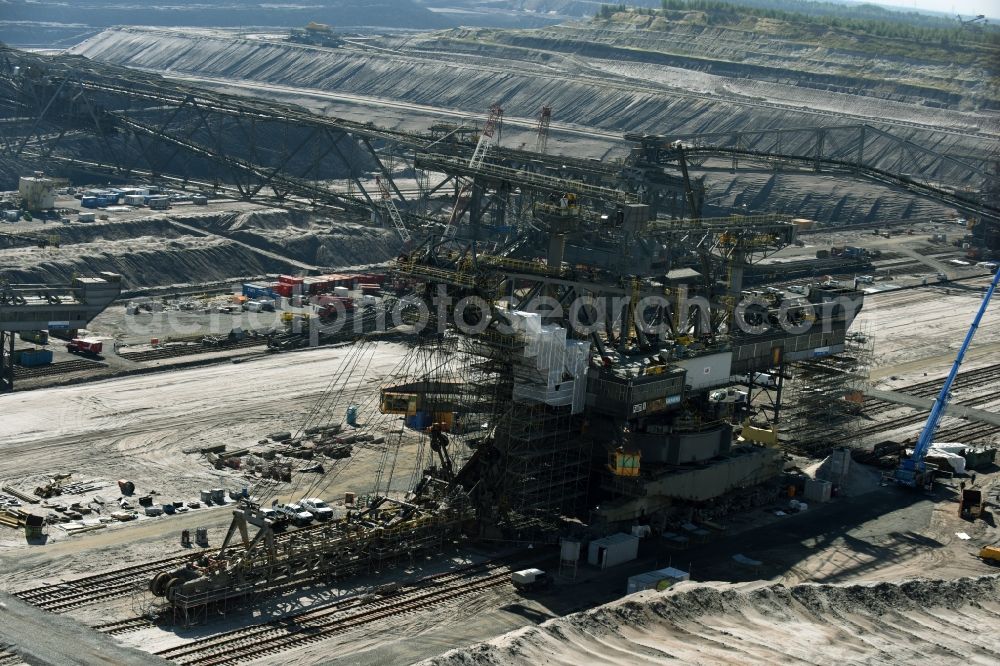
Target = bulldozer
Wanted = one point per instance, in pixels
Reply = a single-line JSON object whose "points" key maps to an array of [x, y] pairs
{"points": [[990, 555]]}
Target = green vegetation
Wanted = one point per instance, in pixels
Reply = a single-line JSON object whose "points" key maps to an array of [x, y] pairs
{"points": [[862, 20]]}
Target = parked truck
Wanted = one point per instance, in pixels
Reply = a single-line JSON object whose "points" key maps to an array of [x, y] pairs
{"points": [[87, 346], [527, 580]]}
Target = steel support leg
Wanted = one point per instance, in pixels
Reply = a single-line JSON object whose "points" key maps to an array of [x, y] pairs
{"points": [[6, 361]]}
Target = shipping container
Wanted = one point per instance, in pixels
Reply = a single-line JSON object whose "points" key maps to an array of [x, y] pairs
{"points": [[369, 278], [613, 550], [63, 333], [38, 337], [158, 203], [370, 289], [289, 279], [342, 292], [338, 280], [818, 490], [199, 200], [315, 285], [258, 291], [418, 421], [282, 289], [31, 358], [86, 217], [135, 200], [656, 580]]}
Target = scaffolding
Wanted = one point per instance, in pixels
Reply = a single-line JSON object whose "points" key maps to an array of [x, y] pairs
{"points": [[824, 399], [546, 461]]}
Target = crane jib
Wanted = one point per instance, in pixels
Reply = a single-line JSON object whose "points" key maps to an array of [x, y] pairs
{"points": [[915, 463]]}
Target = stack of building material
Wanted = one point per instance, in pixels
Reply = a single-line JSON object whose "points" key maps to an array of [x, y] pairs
{"points": [[13, 517]]}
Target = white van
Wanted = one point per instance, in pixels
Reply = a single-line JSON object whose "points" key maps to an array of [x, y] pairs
{"points": [[763, 379]]}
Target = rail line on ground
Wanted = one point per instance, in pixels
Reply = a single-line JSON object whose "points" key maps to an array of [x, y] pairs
{"points": [[66, 595], [60, 597], [313, 625], [58, 368]]}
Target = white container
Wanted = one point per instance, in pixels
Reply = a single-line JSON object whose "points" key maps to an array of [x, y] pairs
{"points": [[652, 579], [840, 464], [135, 200], [613, 550], [818, 490], [569, 551], [343, 292], [86, 217]]}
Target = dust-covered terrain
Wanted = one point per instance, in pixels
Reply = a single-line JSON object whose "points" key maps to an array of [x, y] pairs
{"points": [[910, 622]]}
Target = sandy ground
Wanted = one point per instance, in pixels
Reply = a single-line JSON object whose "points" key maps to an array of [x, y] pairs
{"points": [[38, 637], [137, 428], [914, 622]]}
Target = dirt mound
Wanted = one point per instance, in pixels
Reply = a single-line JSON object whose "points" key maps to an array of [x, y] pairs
{"points": [[910, 622]]}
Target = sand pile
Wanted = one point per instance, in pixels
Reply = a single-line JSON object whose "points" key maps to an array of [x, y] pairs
{"points": [[860, 479], [911, 622]]}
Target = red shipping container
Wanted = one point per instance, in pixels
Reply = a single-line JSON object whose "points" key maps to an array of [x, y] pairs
{"points": [[338, 280], [283, 290], [370, 289], [288, 279]]}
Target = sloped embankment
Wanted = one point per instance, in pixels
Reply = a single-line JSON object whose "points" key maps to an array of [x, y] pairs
{"points": [[154, 253], [911, 622]]}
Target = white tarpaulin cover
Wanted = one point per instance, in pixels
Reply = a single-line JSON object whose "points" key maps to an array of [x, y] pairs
{"points": [[950, 452]]}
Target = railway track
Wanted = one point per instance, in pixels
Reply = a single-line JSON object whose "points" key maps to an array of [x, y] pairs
{"points": [[126, 626], [189, 350], [64, 596], [61, 597], [985, 376], [76, 365], [314, 625], [982, 429]]}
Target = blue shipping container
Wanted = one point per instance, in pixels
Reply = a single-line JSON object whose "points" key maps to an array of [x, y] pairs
{"points": [[31, 358], [253, 291], [419, 421]]}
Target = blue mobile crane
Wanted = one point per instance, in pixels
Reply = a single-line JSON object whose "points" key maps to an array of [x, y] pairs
{"points": [[913, 471]]}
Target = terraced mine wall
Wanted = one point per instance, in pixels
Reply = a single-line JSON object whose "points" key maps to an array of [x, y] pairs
{"points": [[451, 72], [154, 253]]}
